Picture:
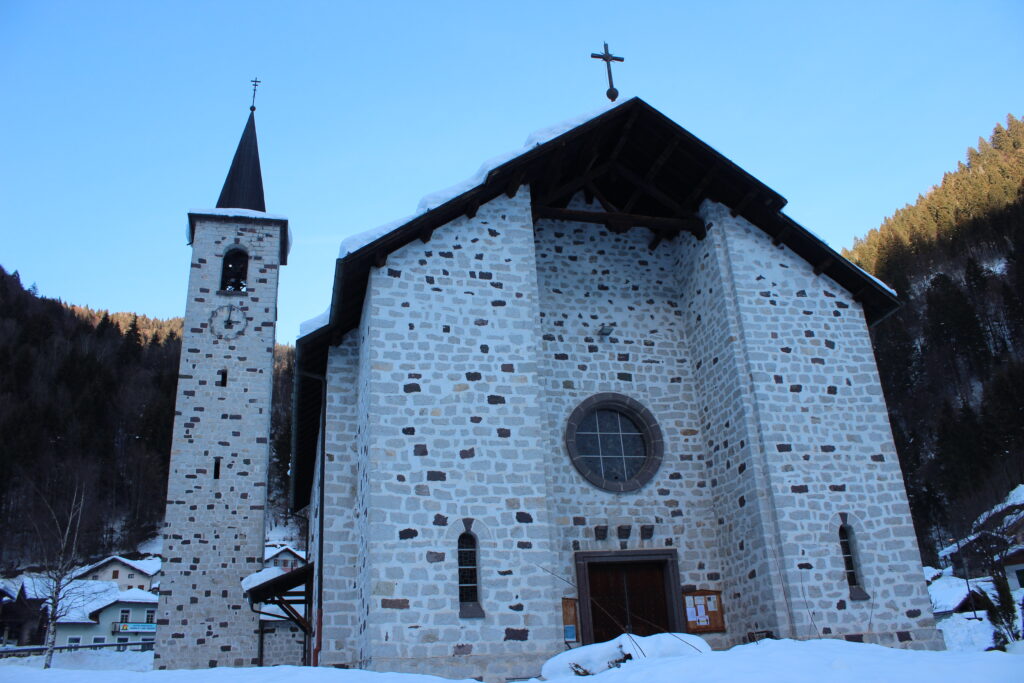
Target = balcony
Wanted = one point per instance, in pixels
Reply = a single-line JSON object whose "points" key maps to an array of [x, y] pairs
{"points": [[131, 627]]}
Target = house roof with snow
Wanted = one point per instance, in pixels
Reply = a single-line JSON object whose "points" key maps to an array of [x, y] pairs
{"points": [[1007, 513], [629, 155], [85, 599], [149, 566], [270, 552], [949, 592]]}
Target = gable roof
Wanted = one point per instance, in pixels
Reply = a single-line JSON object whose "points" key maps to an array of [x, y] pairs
{"points": [[149, 566], [630, 156]]}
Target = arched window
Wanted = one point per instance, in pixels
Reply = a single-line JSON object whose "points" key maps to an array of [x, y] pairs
{"points": [[235, 274], [469, 586], [850, 562]]}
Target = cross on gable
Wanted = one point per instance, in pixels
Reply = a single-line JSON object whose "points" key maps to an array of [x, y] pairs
{"points": [[607, 57]]}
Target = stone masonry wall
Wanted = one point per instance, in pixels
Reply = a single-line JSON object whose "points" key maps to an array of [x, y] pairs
{"points": [[340, 618], [449, 438], [589, 277], [283, 644], [753, 593], [824, 435], [213, 527]]}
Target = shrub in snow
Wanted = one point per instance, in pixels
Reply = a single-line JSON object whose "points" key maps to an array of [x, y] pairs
{"points": [[593, 659]]}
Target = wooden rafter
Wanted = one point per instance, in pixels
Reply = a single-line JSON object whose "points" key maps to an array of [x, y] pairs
{"points": [[823, 265], [605, 203], [624, 135], [652, 173], [573, 185], [698, 190], [747, 198], [651, 189], [781, 235]]}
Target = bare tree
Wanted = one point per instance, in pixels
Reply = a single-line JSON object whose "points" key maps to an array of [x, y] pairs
{"points": [[57, 530]]}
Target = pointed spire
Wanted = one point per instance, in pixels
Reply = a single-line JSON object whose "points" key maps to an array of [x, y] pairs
{"points": [[243, 188]]}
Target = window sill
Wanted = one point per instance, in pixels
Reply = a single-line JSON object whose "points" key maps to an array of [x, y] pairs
{"points": [[858, 593], [230, 292], [470, 610]]}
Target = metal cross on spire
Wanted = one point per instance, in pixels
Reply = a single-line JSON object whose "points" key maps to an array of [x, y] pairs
{"points": [[255, 84], [607, 57]]}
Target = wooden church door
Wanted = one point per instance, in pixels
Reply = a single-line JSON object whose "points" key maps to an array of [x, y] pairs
{"points": [[627, 593]]}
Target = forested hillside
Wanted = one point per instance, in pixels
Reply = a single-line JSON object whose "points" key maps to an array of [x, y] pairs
{"points": [[87, 404], [952, 358]]}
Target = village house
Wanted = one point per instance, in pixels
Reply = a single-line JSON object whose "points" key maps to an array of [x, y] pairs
{"points": [[126, 573]]}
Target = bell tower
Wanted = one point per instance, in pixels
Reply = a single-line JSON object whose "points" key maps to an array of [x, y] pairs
{"points": [[216, 487]]}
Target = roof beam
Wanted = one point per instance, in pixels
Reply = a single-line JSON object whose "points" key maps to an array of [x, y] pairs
{"points": [[698, 191], [781, 235], [624, 134], [651, 189], [615, 221], [573, 185], [652, 172], [747, 198]]}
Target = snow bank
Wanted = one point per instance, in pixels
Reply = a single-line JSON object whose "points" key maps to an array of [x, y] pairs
{"points": [[81, 660], [602, 656], [768, 661], [963, 633]]}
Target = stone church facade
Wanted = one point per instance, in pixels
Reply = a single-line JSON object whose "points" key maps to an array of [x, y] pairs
{"points": [[607, 386], [467, 500]]}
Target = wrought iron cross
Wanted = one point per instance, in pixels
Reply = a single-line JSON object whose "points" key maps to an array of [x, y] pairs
{"points": [[607, 57], [255, 84]]}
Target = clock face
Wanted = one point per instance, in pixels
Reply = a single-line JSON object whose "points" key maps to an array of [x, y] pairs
{"points": [[227, 322]]}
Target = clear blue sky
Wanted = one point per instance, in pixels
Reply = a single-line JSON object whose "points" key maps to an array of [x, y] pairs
{"points": [[119, 117]]}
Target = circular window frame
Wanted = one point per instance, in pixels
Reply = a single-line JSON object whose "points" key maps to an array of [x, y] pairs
{"points": [[654, 444]]}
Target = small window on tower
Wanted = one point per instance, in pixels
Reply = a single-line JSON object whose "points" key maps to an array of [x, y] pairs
{"points": [[236, 271], [469, 587], [222, 378], [216, 467], [848, 548]]}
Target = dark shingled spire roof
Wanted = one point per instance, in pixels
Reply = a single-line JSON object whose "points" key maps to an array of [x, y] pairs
{"points": [[243, 188]]}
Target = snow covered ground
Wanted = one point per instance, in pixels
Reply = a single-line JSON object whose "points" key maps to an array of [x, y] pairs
{"points": [[769, 661]]}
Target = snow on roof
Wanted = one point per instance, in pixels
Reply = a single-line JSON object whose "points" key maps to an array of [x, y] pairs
{"points": [[947, 592], [83, 597], [36, 587], [435, 199], [153, 546], [1013, 499], [270, 551], [261, 577], [137, 595], [10, 586], [148, 566]]}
